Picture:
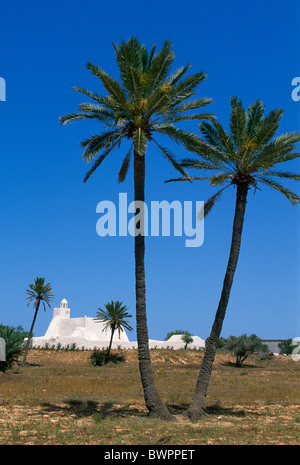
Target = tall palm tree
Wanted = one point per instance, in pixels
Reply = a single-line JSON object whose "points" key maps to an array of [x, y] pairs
{"points": [[242, 157], [145, 101], [38, 292], [114, 319]]}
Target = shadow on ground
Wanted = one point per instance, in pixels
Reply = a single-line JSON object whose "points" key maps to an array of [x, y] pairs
{"points": [[214, 409], [81, 409]]}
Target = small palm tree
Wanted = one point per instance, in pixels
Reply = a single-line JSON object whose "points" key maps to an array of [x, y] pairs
{"points": [[38, 292], [187, 339], [146, 103], [114, 319], [241, 158]]}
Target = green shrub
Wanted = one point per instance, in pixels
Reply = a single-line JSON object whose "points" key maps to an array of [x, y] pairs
{"points": [[244, 345], [176, 332], [286, 347], [98, 357]]}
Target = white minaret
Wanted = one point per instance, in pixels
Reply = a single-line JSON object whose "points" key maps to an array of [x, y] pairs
{"points": [[63, 311]]}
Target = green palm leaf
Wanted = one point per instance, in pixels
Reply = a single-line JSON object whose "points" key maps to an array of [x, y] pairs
{"points": [[125, 166], [291, 196]]}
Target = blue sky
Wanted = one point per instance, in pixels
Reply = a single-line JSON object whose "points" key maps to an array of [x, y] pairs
{"points": [[48, 214]]}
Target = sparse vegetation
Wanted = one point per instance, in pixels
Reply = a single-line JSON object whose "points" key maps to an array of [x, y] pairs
{"points": [[60, 398]]}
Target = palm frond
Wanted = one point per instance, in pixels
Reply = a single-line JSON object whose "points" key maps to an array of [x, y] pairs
{"points": [[97, 111], [200, 164], [179, 73], [97, 142], [160, 66], [170, 157], [282, 174], [180, 136], [238, 122], [99, 160], [210, 203], [194, 104], [189, 178], [220, 178], [189, 117], [185, 89], [268, 127], [158, 101], [111, 85], [74, 116], [132, 54], [255, 117], [107, 101], [291, 196], [278, 150], [125, 166], [139, 139]]}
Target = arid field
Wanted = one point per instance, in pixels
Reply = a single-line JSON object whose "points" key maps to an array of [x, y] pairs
{"points": [[61, 398]]}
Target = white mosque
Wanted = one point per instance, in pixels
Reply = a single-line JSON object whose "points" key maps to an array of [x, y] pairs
{"points": [[88, 333]]}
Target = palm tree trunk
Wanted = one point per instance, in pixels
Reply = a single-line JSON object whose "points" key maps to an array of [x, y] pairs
{"points": [[195, 410], [30, 334], [109, 347], [153, 401]]}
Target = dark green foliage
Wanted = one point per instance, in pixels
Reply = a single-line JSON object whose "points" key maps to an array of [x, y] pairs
{"points": [[221, 343], [286, 347], [99, 357], [244, 345], [39, 292], [246, 153], [14, 338], [17, 329], [176, 332], [186, 336]]}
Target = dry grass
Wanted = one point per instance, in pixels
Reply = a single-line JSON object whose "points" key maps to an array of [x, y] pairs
{"points": [[60, 398]]}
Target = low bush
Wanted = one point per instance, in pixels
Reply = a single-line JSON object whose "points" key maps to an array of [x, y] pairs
{"points": [[14, 338], [286, 347], [98, 357], [244, 345]]}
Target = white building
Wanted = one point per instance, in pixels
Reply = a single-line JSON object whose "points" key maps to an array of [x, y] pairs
{"points": [[89, 333], [84, 332]]}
